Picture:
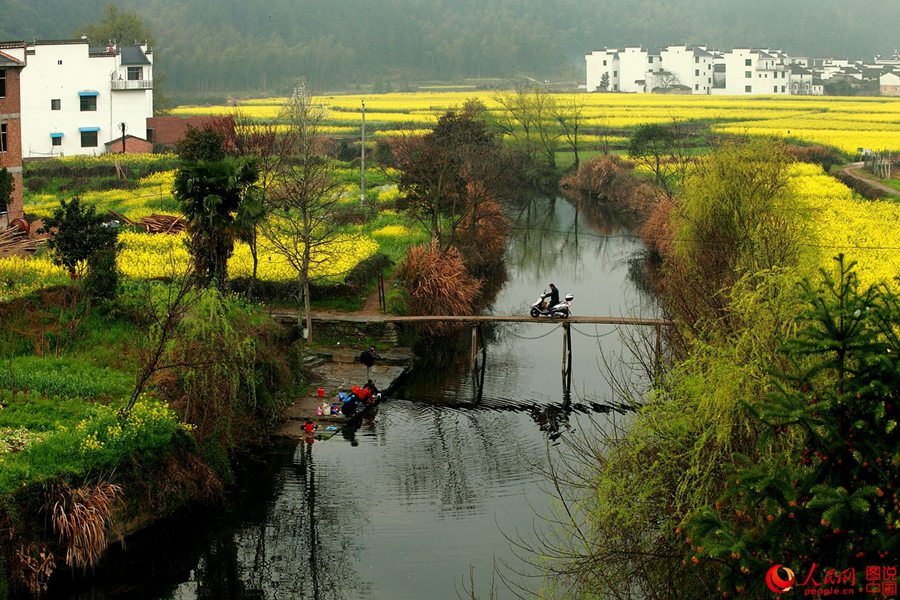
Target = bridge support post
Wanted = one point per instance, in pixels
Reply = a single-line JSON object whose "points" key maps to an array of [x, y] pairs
{"points": [[567, 364], [657, 354], [567, 350]]}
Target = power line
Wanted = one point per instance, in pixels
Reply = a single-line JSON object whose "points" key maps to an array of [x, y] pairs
{"points": [[633, 236]]}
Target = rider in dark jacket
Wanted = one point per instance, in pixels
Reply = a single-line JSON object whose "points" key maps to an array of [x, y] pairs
{"points": [[553, 295]]}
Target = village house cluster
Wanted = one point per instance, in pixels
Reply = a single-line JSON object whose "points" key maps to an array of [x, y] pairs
{"points": [[741, 71]]}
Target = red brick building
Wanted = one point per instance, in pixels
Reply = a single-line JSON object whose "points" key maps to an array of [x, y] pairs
{"points": [[132, 145], [11, 134], [165, 132]]}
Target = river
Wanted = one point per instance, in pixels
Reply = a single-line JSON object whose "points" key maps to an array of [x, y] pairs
{"points": [[426, 498]]}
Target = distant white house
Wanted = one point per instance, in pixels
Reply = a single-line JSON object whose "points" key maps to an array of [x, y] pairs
{"points": [[75, 98], [689, 68], [702, 70], [889, 84], [756, 71]]}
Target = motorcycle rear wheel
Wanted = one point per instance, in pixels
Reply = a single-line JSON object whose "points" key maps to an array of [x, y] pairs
{"points": [[535, 312]]}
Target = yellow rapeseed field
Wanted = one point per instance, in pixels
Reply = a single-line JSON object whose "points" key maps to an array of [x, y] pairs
{"points": [[846, 123], [839, 221]]}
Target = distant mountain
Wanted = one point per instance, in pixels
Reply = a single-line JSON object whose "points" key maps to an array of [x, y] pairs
{"points": [[224, 46]]}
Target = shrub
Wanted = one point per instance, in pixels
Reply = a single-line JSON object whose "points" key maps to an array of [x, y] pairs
{"points": [[438, 283]]}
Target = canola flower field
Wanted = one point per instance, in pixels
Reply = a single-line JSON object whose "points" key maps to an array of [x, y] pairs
{"points": [[839, 221], [845, 123]]}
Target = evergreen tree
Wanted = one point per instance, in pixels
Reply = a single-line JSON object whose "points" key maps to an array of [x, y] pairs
{"points": [[212, 189], [825, 488]]}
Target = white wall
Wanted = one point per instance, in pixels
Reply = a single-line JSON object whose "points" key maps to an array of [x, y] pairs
{"points": [[61, 71], [596, 68], [633, 65]]}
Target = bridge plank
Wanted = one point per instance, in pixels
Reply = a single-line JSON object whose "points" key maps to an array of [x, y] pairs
{"points": [[287, 315]]}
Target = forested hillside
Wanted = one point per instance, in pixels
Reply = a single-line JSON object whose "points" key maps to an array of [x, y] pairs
{"points": [[261, 46]]}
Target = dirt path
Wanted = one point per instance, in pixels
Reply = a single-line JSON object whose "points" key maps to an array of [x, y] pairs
{"points": [[371, 306], [852, 170]]}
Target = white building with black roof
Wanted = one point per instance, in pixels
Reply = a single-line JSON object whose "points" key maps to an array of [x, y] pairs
{"points": [[76, 98]]}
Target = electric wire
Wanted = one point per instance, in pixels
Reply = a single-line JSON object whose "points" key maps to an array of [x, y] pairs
{"points": [[632, 236]]}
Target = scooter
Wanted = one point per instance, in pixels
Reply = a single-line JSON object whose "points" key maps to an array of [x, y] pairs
{"points": [[560, 311]]}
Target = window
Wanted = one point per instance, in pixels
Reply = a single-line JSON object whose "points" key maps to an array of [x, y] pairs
{"points": [[696, 59], [55, 104], [775, 91], [615, 73], [88, 139], [615, 87], [696, 86], [748, 62], [59, 62], [88, 103], [748, 74], [135, 73], [696, 72], [2, 137], [651, 60], [2, 83], [748, 88], [782, 89], [604, 63], [56, 141]]}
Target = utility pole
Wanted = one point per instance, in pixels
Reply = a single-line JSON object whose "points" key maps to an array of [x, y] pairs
{"points": [[122, 127], [362, 162]]}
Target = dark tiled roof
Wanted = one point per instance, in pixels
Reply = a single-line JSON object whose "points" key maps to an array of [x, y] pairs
{"points": [[798, 70], [133, 55], [8, 61]]}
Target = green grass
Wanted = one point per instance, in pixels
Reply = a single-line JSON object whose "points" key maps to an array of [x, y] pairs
{"points": [[68, 377]]}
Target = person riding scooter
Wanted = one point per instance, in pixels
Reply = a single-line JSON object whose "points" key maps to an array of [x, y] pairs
{"points": [[553, 294]]}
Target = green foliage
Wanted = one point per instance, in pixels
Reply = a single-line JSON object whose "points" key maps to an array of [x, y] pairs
{"points": [[828, 491], [224, 349], [207, 143], [120, 26], [6, 188], [103, 279], [62, 377], [80, 233], [80, 440]]}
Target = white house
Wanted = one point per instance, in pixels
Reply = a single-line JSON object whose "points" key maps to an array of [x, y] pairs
{"points": [[889, 83], [600, 63], [755, 71], [75, 98], [802, 82], [688, 67]]}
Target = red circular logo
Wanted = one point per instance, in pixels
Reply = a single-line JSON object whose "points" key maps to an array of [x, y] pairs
{"points": [[776, 583]]}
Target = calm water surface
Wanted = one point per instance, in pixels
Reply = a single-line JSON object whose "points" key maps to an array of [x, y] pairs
{"points": [[431, 490]]}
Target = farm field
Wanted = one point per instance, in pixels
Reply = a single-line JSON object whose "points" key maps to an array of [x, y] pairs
{"points": [[847, 123], [146, 255]]}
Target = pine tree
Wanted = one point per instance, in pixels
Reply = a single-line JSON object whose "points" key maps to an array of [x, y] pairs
{"points": [[825, 488]]}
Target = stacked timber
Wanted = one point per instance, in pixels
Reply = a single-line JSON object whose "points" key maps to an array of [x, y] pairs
{"points": [[154, 223], [14, 241]]}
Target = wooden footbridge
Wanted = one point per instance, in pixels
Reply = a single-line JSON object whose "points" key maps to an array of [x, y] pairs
{"points": [[475, 322]]}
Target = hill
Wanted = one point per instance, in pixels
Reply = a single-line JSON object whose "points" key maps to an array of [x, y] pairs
{"points": [[253, 46]]}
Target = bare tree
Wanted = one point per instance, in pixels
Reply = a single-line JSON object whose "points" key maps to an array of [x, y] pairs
{"points": [[568, 115], [301, 227], [271, 145], [528, 119], [164, 316]]}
